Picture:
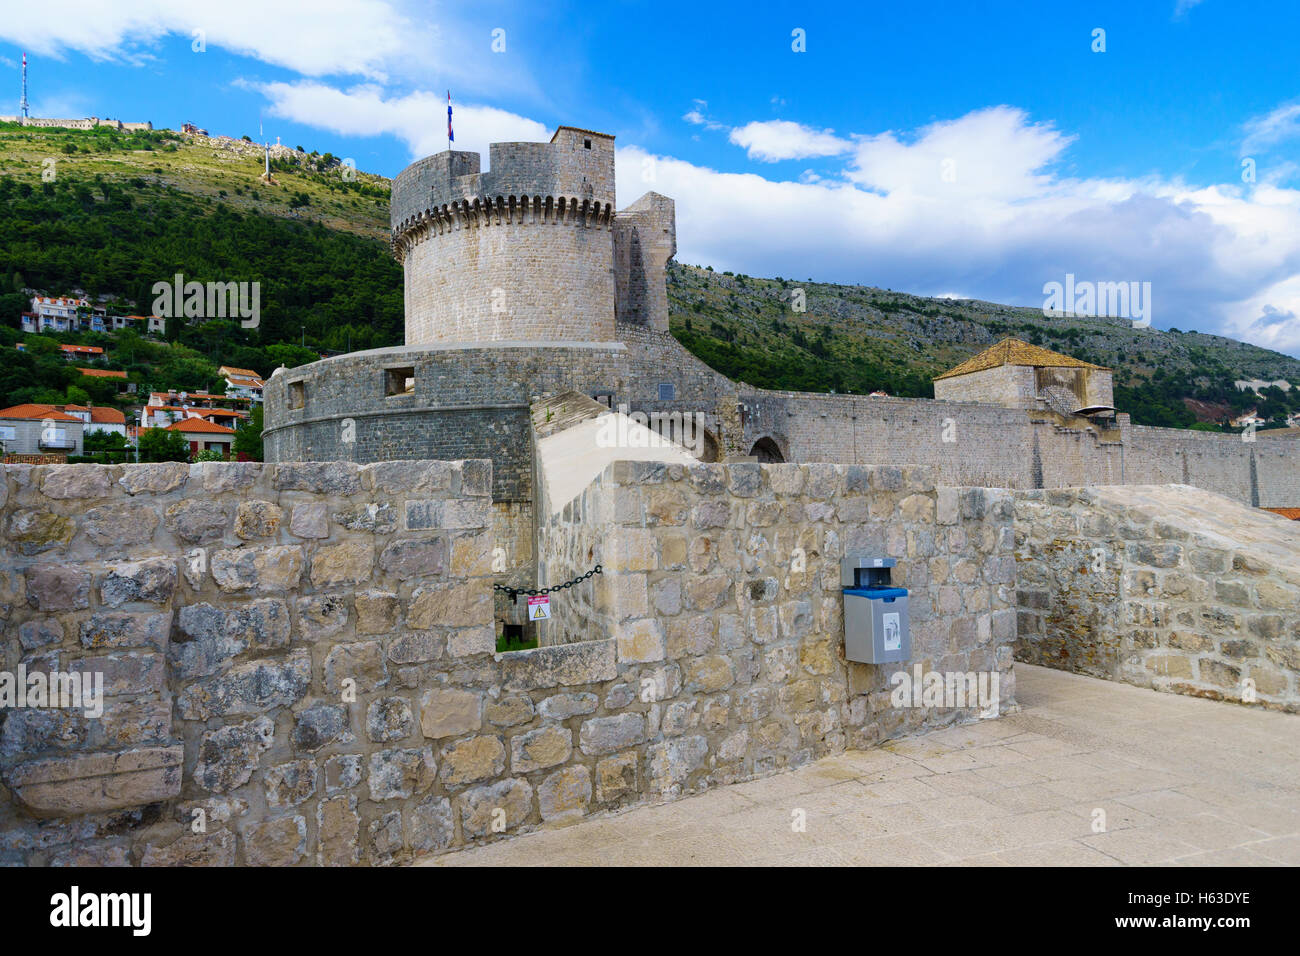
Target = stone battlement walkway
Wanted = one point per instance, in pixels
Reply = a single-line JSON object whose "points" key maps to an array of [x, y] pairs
{"points": [[1180, 781]]}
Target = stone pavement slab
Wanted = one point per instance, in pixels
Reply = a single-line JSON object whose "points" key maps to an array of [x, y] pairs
{"points": [[1088, 773]]}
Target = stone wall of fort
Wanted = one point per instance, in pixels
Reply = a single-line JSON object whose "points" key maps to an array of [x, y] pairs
{"points": [[469, 401], [511, 274], [269, 640], [1168, 587], [298, 659]]}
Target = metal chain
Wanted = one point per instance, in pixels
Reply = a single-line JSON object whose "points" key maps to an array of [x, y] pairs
{"points": [[514, 592]]}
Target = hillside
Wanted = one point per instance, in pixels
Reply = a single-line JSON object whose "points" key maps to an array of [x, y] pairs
{"points": [[124, 211], [859, 339]]}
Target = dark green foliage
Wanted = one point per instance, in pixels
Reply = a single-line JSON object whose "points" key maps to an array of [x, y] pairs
{"points": [[248, 437], [159, 444], [118, 240]]}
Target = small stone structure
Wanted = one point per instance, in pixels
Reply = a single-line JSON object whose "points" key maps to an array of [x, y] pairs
{"points": [[299, 668], [1016, 374], [1166, 587]]}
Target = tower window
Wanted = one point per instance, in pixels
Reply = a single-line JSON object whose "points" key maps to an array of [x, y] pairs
{"points": [[399, 381], [297, 394], [586, 144]]}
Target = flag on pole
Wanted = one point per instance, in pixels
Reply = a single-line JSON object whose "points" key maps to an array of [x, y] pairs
{"points": [[451, 137]]}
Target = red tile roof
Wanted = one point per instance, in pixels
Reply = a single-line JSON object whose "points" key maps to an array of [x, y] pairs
{"points": [[199, 425], [30, 412], [101, 373], [83, 349], [1292, 513], [107, 416]]}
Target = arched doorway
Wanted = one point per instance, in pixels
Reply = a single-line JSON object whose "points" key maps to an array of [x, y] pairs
{"points": [[767, 451]]}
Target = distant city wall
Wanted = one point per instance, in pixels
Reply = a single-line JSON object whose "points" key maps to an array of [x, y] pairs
{"points": [[89, 122], [1265, 474], [473, 402]]}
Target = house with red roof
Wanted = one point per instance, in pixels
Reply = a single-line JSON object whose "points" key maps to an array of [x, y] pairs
{"points": [[204, 435], [72, 353], [243, 382], [97, 419], [32, 429], [54, 314]]}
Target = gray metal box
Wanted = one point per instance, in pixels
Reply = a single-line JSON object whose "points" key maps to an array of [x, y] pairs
{"points": [[876, 628]]}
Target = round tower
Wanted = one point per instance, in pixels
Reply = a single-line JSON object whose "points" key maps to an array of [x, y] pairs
{"points": [[522, 252]]}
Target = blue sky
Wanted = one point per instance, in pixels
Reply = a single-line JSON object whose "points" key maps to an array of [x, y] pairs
{"points": [[975, 149]]}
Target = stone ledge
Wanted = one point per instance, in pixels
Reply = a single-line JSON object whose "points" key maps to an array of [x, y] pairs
{"points": [[66, 786], [586, 662]]}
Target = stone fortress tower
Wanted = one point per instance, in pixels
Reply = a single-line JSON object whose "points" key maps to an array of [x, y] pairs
{"points": [[526, 281], [527, 250]]}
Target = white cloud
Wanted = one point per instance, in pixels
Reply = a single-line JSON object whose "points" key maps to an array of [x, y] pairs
{"points": [[775, 140], [359, 37], [990, 154], [697, 115], [1219, 258], [419, 119], [1263, 132]]}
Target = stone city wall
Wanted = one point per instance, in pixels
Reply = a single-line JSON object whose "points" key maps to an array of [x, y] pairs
{"points": [[1265, 474], [299, 669], [272, 641], [473, 403], [1167, 587], [728, 576]]}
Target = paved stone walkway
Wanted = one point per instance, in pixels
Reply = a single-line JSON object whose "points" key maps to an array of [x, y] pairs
{"points": [[1181, 780]]}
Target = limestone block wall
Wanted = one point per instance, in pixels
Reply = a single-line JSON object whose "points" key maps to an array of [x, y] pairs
{"points": [[645, 238], [1265, 474], [271, 642], [1168, 587], [515, 274], [299, 667], [729, 577], [1012, 386]]}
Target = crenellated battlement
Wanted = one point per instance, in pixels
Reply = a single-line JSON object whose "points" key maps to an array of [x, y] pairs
{"points": [[484, 212], [577, 164]]}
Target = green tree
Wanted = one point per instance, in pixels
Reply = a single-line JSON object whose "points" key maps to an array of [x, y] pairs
{"points": [[248, 436], [159, 444], [104, 441]]}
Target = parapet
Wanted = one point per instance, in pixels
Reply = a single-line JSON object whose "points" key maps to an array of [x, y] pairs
{"points": [[576, 165]]}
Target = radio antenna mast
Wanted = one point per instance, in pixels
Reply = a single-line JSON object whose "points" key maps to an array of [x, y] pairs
{"points": [[23, 104]]}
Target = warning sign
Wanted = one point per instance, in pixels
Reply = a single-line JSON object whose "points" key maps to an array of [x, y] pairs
{"points": [[539, 607]]}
